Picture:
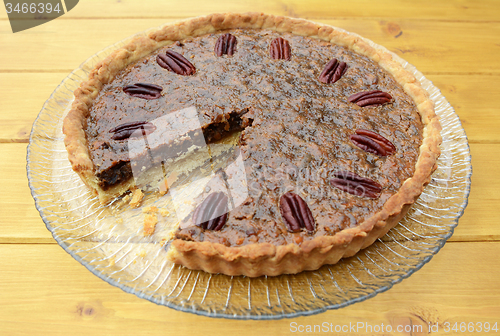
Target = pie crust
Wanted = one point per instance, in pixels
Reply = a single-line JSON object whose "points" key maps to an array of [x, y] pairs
{"points": [[260, 258]]}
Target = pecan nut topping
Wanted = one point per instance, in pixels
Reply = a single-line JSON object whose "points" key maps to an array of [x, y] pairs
{"points": [[333, 71], [143, 90], [374, 97], [211, 214], [280, 49], [125, 131], [225, 45], [296, 213], [175, 62], [356, 185], [373, 143]]}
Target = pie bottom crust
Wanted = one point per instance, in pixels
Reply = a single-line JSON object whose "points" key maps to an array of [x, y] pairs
{"points": [[260, 258]]}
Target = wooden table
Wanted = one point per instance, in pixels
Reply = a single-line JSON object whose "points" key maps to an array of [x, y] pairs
{"points": [[43, 291]]}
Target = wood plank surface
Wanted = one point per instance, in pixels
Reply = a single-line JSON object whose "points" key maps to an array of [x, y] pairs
{"points": [[466, 10], [23, 95], [23, 224], [44, 291], [473, 97], [432, 46], [20, 222], [38, 279]]}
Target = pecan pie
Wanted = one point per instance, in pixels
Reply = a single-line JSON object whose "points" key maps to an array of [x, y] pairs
{"points": [[337, 139]]}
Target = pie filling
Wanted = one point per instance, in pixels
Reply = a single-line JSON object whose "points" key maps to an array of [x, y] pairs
{"points": [[327, 137], [116, 169]]}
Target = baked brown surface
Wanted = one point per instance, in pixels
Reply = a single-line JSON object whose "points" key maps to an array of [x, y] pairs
{"points": [[255, 239]]}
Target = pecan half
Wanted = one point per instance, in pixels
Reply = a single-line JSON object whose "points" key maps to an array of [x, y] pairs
{"points": [[143, 90], [214, 205], [280, 49], [225, 45], [333, 71], [295, 212], [125, 131], [373, 143], [374, 97], [175, 62], [356, 185]]}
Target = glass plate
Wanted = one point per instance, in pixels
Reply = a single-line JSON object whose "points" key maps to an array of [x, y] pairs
{"points": [[109, 240]]}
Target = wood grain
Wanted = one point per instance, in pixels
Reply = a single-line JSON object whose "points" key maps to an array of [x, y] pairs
{"points": [[20, 222], [474, 99], [432, 46], [23, 95], [49, 280], [44, 291], [469, 10]]}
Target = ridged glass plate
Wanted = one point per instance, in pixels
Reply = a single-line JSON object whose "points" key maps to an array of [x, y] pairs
{"points": [[109, 241]]}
